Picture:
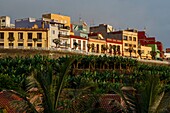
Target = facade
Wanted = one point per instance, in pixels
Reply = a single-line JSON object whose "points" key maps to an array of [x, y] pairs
{"points": [[66, 20], [103, 29], [56, 30], [4, 21], [145, 41], [81, 41], [129, 39], [80, 29], [23, 38], [145, 50], [113, 43], [167, 50], [96, 43]]}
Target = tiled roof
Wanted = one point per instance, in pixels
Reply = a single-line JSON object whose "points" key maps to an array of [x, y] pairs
{"points": [[6, 98]]}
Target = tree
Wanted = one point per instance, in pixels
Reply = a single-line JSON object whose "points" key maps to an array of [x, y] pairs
{"points": [[50, 84], [75, 45], [153, 54], [11, 39], [114, 49], [57, 42], [35, 40], [89, 47], [140, 53], [130, 50]]}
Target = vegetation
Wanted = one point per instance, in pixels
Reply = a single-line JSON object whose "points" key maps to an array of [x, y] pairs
{"points": [[66, 83]]}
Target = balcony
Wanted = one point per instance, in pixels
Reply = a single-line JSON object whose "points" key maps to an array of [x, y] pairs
{"points": [[20, 40], [64, 27], [39, 40], [63, 35], [29, 40], [1, 40]]}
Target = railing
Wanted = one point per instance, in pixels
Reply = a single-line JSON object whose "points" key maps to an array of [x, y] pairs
{"points": [[1, 40], [20, 40]]}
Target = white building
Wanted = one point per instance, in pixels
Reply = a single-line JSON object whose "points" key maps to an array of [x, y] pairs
{"points": [[4, 21]]}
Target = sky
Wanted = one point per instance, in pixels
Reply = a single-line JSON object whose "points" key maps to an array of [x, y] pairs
{"points": [[151, 15]]}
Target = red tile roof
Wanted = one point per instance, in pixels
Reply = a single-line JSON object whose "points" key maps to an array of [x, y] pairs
{"points": [[6, 98]]}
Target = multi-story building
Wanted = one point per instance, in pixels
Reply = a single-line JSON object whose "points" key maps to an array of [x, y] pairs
{"points": [[129, 39], [96, 43], [56, 30], [81, 41], [80, 29], [23, 38], [4, 21], [103, 29], [66, 20], [144, 40], [167, 50]]}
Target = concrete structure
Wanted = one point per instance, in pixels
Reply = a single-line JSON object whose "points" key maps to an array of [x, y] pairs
{"points": [[5, 21], [145, 50], [103, 29], [80, 29], [56, 30], [129, 39], [81, 41], [66, 20], [145, 40], [167, 50], [24, 38], [118, 46]]}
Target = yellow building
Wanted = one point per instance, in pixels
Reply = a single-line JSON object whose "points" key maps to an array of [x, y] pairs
{"points": [[145, 50], [118, 46], [96, 43], [59, 18], [129, 39], [24, 38]]}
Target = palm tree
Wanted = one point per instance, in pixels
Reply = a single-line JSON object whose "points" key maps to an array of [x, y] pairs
{"points": [[75, 45], [114, 49], [140, 53], [49, 84], [57, 42], [35, 40], [11, 39], [89, 47], [130, 50], [153, 54]]}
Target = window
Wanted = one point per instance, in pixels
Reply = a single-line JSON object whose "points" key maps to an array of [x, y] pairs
{"points": [[29, 35], [29, 44], [130, 45], [11, 34], [126, 44], [134, 46], [20, 35], [134, 38], [39, 36], [1, 35], [53, 32], [1, 44], [3, 20], [130, 38], [84, 45], [126, 50], [79, 44], [39, 45], [125, 38], [20, 44]]}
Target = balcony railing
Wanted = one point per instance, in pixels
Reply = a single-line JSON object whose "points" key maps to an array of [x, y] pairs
{"points": [[63, 35], [29, 40], [64, 27], [39, 40], [1, 40], [20, 40]]}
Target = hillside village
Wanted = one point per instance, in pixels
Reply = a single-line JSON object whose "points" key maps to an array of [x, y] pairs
{"points": [[55, 31]]}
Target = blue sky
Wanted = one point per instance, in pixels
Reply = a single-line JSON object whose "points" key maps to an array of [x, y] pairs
{"points": [[121, 14]]}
